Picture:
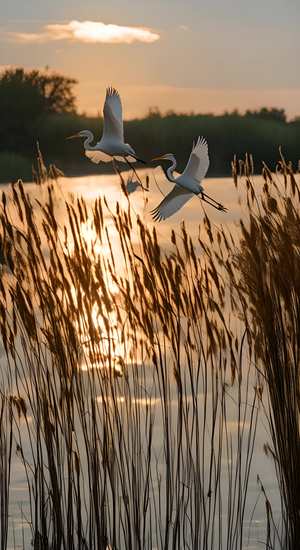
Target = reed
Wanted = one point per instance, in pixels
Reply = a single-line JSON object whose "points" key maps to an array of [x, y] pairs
{"points": [[265, 278], [135, 403], [5, 466]]}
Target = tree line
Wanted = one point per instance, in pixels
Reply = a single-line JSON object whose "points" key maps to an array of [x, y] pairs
{"points": [[40, 106]]}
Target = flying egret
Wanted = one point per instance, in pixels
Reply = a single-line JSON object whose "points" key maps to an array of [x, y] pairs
{"points": [[111, 145], [187, 184]]}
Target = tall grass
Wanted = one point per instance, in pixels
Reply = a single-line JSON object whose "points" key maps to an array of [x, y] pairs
{"points": [[134, 404], [5, 463], [266, 282]]}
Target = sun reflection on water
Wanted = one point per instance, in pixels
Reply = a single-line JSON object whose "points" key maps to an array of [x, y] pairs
{"points": [[109, 352]]}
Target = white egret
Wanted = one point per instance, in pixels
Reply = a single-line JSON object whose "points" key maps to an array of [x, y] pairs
{"points": [[187, 184], [111, 145]]}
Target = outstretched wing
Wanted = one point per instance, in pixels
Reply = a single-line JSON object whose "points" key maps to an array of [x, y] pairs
{"points": [[112, 116], [171, 203], [198, 162], [97, 156]]}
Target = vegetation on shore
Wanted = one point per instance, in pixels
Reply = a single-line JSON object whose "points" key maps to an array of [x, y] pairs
{"points": [[40, 107]]}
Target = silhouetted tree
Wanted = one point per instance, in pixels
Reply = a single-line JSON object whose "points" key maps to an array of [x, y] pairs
{"points": [[25, 96]]}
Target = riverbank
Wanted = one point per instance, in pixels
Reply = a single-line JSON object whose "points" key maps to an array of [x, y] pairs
{"points": [[227, 135]]}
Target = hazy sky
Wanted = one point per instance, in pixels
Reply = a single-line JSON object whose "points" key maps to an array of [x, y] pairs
{"points": [[197, 55]]}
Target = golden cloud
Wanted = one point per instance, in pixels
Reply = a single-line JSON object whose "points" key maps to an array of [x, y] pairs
{"points": [[88, 32]]}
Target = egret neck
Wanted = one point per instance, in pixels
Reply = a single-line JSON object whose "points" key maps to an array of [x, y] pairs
{"points": [[169, 171], [88, 140]]}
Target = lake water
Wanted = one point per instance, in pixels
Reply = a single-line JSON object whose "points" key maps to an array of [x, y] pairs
{"points": [[224, 191]]}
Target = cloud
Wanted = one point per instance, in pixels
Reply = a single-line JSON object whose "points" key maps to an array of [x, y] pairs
{"points": [[88, 32]]}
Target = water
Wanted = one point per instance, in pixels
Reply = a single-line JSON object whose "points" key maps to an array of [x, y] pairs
{"points": [[224, 191]]}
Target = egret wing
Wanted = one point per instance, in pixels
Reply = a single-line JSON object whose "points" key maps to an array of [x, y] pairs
{"points": [[97, 156], [171, 203], [112, 116], [198, 162]]}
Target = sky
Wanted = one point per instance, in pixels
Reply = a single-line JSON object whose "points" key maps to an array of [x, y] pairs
{"points": [[193, 55]]}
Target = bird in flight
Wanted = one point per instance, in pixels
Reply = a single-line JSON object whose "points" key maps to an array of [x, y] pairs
{"points": [[187, 184], [111, 145]]}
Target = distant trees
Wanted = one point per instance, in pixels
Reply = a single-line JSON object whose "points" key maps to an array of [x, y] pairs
{"points": [[25, 96], [263, 114], [268, 114], [259, 132], [40, 106]]}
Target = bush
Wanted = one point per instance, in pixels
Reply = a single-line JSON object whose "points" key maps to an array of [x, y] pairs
{"points": [[14, 166]]}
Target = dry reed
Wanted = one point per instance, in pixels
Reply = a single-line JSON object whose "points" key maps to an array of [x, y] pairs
{"points": [[127, 374]]}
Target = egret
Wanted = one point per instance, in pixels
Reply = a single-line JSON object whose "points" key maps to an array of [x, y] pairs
{"points": [[111, 145], [187, 184]]}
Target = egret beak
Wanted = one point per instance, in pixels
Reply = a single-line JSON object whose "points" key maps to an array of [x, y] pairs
{"points": [[158, 158], [74, 136]]}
